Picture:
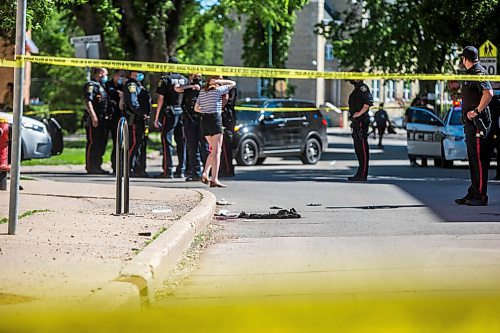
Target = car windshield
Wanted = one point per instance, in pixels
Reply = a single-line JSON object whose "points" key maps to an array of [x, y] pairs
{"points": [[455, 117]]}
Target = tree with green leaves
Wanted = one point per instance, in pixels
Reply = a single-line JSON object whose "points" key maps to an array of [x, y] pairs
{"points": [[409, 36]]}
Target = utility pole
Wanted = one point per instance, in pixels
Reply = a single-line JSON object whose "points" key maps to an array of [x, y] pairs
{"points": [[270, 55], [18, 114]]}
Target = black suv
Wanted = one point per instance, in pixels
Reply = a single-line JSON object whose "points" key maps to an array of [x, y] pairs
{"points": [[295, 128]]}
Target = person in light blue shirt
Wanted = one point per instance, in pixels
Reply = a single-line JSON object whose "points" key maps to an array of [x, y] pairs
{"points": [[210, 103]]}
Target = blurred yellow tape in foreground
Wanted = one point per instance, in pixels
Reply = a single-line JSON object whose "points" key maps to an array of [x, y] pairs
{"points": [[245, 71]]}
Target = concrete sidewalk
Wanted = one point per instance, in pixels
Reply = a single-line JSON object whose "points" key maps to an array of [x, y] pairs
{"points": [[70, 247]]}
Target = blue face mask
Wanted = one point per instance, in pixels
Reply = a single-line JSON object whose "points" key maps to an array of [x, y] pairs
{"points": [[104, 79], [140, 77], [119, 81]]}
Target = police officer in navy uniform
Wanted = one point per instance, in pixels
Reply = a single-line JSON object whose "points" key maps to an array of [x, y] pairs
{"points": [[96, 106], [169, 119], [197, 146], [360, 101], [476, 117], [114, 89], [137, 102]]}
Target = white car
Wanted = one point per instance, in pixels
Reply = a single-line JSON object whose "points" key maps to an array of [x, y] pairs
{"points": [[36, 140], [429, 136]]}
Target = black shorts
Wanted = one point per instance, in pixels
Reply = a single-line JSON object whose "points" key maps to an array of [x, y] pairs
{"points": [[211, 124]]}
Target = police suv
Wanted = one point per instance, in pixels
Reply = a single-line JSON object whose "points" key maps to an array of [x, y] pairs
{"points": [[429, 136]]}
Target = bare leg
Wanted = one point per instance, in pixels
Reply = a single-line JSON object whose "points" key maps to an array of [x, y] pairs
{"points": [[215, 153], [208, 163]]}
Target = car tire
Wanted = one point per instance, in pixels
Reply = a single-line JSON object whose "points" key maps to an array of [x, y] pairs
{"points": [[312, 152], [248, 153], [260, 160], [447, 164]]}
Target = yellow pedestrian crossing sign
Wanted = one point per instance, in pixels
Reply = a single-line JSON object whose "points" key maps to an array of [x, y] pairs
{"points": [[488, 50]]}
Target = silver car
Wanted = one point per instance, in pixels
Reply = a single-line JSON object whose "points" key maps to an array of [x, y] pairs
{"points": [[36, 141], [429, 136]]}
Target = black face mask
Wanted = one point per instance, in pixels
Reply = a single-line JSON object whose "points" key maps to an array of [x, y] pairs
{"points": [[353, 82], [196, 81]]}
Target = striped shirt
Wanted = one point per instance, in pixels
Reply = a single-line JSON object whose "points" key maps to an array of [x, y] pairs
{"points": [[211, 101]]}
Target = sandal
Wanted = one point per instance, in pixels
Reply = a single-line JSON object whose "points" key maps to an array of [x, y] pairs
{"points": [[204, 180], [214, 184]]}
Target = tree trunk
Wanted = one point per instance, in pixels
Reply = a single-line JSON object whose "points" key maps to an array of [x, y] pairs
{"points": [[133, 28], [173, 24], [91, 25]]}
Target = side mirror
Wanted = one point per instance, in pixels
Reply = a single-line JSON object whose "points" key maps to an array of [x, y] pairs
{"points": [[269, 117]]}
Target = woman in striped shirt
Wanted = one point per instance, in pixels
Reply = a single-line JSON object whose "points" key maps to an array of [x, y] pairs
{"points": [[209, 104]]}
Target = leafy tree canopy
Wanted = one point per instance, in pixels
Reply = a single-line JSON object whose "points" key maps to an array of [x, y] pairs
{"points": [[410, 36]]}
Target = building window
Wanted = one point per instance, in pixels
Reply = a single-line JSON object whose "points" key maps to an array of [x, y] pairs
{"points": [[391, 90], [329, 52], [376, 90], [407, 90]]}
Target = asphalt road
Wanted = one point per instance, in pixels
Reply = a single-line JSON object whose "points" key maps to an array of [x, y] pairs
{"points": [[401, 231]]}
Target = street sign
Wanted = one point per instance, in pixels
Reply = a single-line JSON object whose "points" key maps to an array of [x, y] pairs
{"points": [[488, 55], [85, 39]]}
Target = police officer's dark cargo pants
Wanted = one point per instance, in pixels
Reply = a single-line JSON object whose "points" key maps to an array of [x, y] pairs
{"points": [[197, 147], [478, 154], [172, 129], [96, 146], [136, 144], [361, 147]]}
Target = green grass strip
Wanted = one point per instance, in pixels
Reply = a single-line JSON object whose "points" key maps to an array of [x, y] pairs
{"points": [[25, 214]]}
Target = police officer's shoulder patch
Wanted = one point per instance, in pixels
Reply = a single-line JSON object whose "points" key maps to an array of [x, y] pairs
{"points": [[132, 88], [89, 88], [363, 88], [160, 83]]}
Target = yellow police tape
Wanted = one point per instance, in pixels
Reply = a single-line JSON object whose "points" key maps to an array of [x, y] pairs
{"points": [[10, 63], [240, 71], [55, 112]]}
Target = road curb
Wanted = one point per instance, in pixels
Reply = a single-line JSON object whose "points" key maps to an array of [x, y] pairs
{"points": [[149, 269], [141, 277]]}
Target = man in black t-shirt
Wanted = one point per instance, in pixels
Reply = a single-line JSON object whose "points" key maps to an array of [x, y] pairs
{"points": [[476, 95], [114, 88], [197, 147], [169, 119], [96, 106], [360, 101]]}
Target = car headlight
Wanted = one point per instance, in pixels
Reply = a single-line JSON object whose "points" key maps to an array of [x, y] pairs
{"points": [[34, 127]]}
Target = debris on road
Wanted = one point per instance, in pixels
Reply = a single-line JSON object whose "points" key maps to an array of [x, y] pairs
{"points": [[282, 214], [275, 207], [145, 234], [313, 205], [224, 202]]}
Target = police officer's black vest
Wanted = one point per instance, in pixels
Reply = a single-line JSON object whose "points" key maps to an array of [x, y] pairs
{"points": [[170, 81], [97, 95]]}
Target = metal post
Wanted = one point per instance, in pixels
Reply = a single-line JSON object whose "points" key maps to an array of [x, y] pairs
{"points": [[119, 167], [126, 168], [270, 57], [18, 113], [122, 168]]}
